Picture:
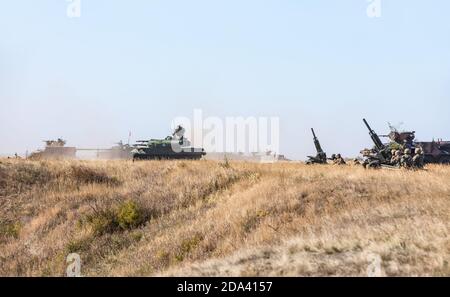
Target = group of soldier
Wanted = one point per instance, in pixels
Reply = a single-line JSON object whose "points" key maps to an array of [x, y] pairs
{"points": [[16, 156], [337, 159], [408, 158], [402, 157]]}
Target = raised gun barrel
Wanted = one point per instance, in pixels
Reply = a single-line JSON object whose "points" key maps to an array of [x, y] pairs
{"points": [[375, 138], [316, 142]]}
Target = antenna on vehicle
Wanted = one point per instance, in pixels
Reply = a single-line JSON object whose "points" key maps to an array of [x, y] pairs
{"points": [[392, 128]]}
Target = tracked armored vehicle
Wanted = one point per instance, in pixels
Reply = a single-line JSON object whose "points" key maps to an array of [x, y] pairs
{"points": [[55, 149], [172, 147]]}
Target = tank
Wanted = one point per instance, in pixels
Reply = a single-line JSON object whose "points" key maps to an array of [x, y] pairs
{"points": [[55, 149], [172, 147]]}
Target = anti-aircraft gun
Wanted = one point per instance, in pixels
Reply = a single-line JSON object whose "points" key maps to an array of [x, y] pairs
{"points": [[172, 147], [380, 155], [321, 157]]}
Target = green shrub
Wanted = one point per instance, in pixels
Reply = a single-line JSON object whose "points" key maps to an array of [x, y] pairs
{"points": [[129, 215], [188, 245], [102, 222], [137, 235]]}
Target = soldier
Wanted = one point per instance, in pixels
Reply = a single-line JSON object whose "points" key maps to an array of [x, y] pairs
{"points": [[356, 162], [406, 160], [368, 155], [339, 160], [418, 159], [396, 158], [393, 155]]}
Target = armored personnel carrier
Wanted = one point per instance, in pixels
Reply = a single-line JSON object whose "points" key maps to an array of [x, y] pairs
{"points": [[172, 147], [55, 149]]}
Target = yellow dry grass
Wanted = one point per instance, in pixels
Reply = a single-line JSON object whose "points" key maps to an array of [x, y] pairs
{"points": [[212, 218]]}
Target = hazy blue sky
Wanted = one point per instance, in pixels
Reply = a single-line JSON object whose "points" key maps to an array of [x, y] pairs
{"points": [[135, 65]]}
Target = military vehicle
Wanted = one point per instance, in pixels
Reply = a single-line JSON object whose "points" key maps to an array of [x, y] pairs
{"points": [[55, 149], [321, 157], [437, 152], [119, 151], [172, 147], [379, 155]]}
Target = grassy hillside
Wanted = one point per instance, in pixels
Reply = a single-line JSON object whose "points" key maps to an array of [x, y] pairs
{"points": [[213, 218]]}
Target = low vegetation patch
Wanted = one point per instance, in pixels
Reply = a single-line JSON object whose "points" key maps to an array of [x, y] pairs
{"points": [[16, 177], [9, 230], [129, 215], [126, 216], [85, 174], [187, 246]]}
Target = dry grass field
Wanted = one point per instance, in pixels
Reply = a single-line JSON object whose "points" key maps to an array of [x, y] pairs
{"points": [[214, 218]]}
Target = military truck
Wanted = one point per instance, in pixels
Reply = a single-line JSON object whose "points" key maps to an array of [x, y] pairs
{"points": [[172, 147], [436, 152]]}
